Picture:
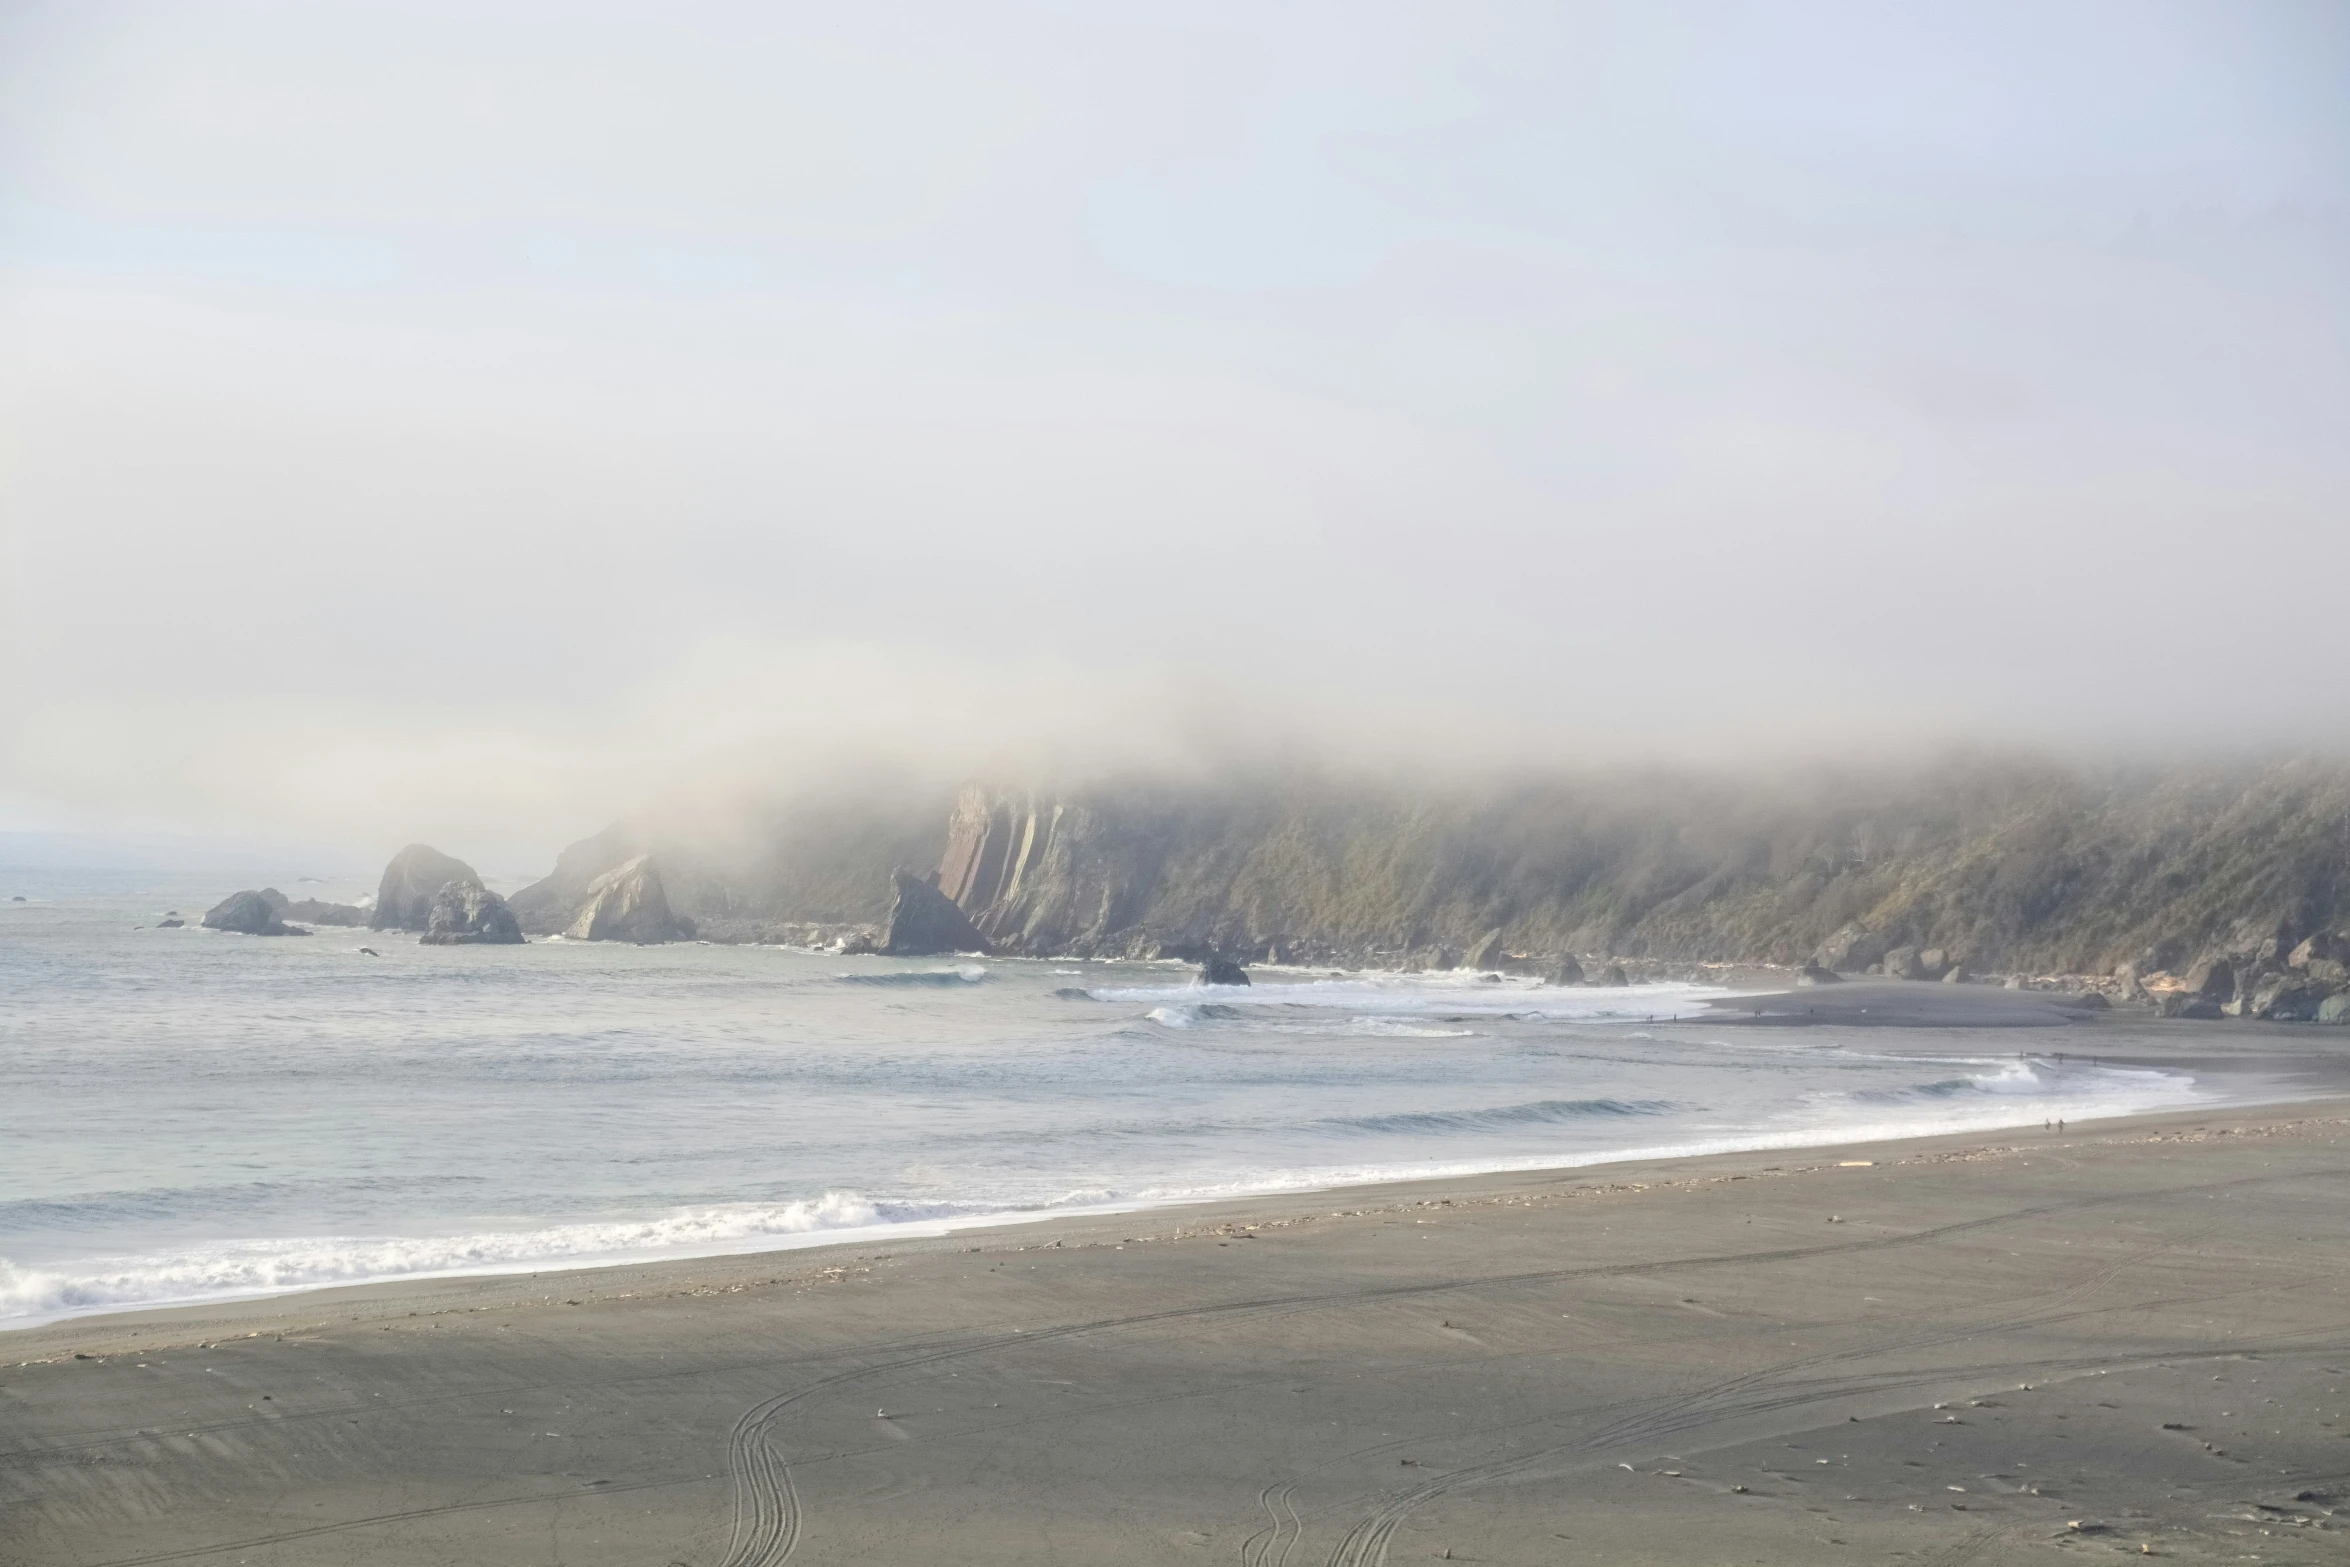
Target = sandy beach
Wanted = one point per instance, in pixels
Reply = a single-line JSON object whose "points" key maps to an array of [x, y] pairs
{"points": [[2127, 1338]]}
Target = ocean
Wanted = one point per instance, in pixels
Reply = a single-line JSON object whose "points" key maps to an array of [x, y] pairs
{"points": [[189, 1116]]}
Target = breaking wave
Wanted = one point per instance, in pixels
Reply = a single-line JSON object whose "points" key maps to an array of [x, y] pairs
{"points": [[234, 1268], [2030, 1079], [960, 974], [1500, 1117]]}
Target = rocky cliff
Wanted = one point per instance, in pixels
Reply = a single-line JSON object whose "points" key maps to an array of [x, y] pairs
{"points": [[812, 858], [1971, 865], [628, 903], [466, 914]]}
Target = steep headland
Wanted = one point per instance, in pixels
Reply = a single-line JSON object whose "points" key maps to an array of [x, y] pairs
{"points": [[1969, 866]]}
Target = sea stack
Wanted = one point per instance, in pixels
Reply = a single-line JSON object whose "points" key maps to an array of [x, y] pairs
{"points": [[465, 914], [925, 921], [403, 901], [628, 903]]}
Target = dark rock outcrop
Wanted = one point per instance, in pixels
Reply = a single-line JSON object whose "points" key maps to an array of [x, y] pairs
{"points": [[310, 911], [416, 875], [247, 913], [1487, 954], [924, 922], [1850, 950], [468, 914], [1814, 974], [1904, 963], [629, 903], [2288, 999], [2334, 1009], [2212, 980], [2326, 946], [174, 923], [1566, 971], [1222, 971], [2186, 1004], [1613, 975]]}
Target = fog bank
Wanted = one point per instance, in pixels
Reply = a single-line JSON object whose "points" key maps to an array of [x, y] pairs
{"points": [[472, 423]]}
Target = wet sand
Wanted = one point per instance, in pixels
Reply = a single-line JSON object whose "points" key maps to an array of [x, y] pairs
{"points": [[1999, 1348]]}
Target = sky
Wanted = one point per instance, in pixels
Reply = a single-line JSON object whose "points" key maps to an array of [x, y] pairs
{"points": [[472, 421]]}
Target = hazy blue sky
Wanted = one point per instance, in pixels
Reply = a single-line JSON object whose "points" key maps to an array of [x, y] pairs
{"points": [[460, 420]]}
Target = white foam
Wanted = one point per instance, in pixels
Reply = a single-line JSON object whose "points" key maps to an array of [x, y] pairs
{"points": [[1495, 995], [247, 1268]]}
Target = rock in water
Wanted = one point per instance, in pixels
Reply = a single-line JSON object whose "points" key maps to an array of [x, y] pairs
{"points": [[1614, 974], [628, 903], [1222, 971], [468, 914], [1566, 971], [317, 913], [247, 913], [925, 921], [414, 878]]}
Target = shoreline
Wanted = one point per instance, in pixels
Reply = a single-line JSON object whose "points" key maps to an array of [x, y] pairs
{"points": [[1295, 1204], [2129, 1336]]}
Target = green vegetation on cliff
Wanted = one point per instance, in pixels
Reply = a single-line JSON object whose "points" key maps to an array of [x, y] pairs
{"points": [[2002, 863]]}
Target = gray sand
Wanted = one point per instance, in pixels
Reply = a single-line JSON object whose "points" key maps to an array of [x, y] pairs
{"points": [[1958, 1352]]}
